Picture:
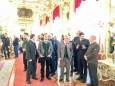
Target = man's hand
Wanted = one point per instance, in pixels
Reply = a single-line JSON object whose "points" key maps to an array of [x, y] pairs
{"points": [[9, 47], [23, 49], [60, 59], [85, 57], [59, 62], [77, 46], [49, 55], [83, 47], [41, 56], [30, 60]]}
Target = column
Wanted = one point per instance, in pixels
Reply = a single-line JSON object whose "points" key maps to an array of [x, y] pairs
{"points": [[108, 29]]}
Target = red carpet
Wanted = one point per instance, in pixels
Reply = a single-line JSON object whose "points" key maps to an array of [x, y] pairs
{"points": [[20, 76]]}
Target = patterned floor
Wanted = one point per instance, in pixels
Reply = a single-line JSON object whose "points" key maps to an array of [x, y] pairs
{"points": [[20, 80], [73, 81], [6, 67], [1, 65]]}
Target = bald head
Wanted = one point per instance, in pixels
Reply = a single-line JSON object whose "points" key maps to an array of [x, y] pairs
{"points": [[92, 38]]}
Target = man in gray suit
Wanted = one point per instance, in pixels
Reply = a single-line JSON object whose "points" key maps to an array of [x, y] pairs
{"points": [[31, 58], [65, 52], [91, 57], [45, 50]]}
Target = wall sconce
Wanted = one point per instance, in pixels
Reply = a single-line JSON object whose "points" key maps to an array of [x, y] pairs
{"points": [[101, 24]]}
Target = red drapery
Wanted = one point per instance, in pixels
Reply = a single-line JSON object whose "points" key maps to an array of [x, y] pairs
{"points": [[40, 22], [47, 19], [56, 12], [76, 4]]}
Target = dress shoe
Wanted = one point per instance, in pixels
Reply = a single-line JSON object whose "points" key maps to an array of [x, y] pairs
{"points": [[77, 73], [48, 78], [71, 74], [67, 80], [83, 80], [89, 85], [74, 70], [25, 69], [35, 78], [79, 78], [41, 79], [28, 82], [60, 80], [64, 72], [52, 74]]}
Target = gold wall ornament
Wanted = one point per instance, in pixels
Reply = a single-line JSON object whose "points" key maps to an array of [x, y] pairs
{"points": [[24, 13], [106, 70]]}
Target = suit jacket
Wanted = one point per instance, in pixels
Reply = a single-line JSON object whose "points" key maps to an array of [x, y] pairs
{"points": [[41, 49], [92, 53], [6, 41], [16, 42], [55, 44], [80, 50], [30, 50], [61, 50]]}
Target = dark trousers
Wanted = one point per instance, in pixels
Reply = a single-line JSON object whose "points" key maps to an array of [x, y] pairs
{"points": [[76, 62], [31, 69], [16, 51], [54, 64], [82, 65], [93, 74], [6, 49], [24, 60], [21, 50], [72, 65], [43, 60]]}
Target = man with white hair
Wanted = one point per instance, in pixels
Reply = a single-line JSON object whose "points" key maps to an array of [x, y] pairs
{"points": [[91, 57], [65, 52]]}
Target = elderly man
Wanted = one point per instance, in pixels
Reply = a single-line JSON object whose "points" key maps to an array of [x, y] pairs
{"points": [[65, 52], [91, 57]]}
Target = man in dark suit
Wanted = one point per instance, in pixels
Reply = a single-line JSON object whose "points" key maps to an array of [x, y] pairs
{"points": [[82, 45], [73, 56], [75, 52], [6, 45], [45, 50], [25, 41], [31, 58], [91, 57], [16, 46], [54, 60]]}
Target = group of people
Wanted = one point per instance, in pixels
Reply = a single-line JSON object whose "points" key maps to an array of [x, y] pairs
{"points": [[84, 52], [75, 55], [44, 51], [7, 45]]}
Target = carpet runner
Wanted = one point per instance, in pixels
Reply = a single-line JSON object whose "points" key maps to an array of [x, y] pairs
{"points": [[5, 71], [20, 76]]}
